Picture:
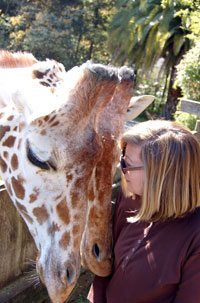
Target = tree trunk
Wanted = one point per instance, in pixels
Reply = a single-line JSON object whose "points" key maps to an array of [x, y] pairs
{"points": [[173, 97], [90, 50]]}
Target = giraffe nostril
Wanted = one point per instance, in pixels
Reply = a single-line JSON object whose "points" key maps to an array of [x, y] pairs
{"points": [[96, 251], [70, 274]]}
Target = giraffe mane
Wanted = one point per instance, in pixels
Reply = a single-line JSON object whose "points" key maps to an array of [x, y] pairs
{"points": [[13, 60]]}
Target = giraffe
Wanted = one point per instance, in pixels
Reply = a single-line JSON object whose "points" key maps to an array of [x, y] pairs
{"points": [[58, 152], [48, 155]]}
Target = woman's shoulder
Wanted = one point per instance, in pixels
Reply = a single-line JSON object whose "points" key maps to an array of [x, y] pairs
{"points": [[188, 224], [193, 219], [185, 229], [192, 224]]}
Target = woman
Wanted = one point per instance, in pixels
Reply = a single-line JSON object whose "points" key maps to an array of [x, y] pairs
{"points": [[156, 228]]}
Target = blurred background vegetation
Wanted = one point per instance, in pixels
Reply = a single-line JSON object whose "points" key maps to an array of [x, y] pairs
{"points": [[159, 38]]}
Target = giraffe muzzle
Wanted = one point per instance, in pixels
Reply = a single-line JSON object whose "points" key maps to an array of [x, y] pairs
{"points": [[58, 277]]}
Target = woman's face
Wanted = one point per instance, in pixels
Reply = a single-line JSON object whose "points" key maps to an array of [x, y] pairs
{"points": [[134, 178]]}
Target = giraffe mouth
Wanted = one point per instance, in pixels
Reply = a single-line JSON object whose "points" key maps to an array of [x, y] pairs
{"points": [[59, 277]]}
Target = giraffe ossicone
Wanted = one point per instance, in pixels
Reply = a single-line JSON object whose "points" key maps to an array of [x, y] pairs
{"points": [[58, 153]]}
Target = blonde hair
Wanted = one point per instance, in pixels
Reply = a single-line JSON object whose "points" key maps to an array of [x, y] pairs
{"points": [[171, 157]]}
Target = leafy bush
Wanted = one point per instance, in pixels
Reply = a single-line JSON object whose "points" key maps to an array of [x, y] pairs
{"points": [[188, 73], [186, 119], [151, 84]]}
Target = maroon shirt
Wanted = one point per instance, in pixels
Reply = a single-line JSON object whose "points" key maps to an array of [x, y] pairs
{"points": [[154, 263]]}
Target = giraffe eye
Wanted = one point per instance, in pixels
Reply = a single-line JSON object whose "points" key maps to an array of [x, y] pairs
{"points": [[34, 160]]}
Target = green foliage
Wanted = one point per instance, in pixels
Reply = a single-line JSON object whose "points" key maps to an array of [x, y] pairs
{"points": [[190, 15], [5, 29], [186, 119], [188, 73], [53, 36], [151, 84], [68, 31], [144, 31]]}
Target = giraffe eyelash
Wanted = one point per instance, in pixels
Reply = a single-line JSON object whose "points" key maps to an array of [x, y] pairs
{"points": [[46, 165]]}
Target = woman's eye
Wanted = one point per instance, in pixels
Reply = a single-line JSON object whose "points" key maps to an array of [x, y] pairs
{"points": [[34, 160]]}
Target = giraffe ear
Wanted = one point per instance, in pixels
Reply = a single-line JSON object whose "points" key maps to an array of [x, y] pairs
{"points": [[4, 97], [35, 101], [14, 98], [137, 105]]}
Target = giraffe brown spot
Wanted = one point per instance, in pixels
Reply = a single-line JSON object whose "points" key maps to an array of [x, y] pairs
{"points": [[63, 211], [33, 198], [3, 165], [22, 209], [19, 144], [9, 142], [55, 123], [53, 228], [46, 118], [1, 115], [3, 130], [69, 177], [76, 229], [64, 241], [52, 119], [44, 83], [18, 187], [15, 128], [10, 118], [37, 74], [43, 132], [14, 162], [41, 214], [5, 154]]}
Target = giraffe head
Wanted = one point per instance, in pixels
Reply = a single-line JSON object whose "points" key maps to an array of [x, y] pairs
{"points": [[58, 150]]}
